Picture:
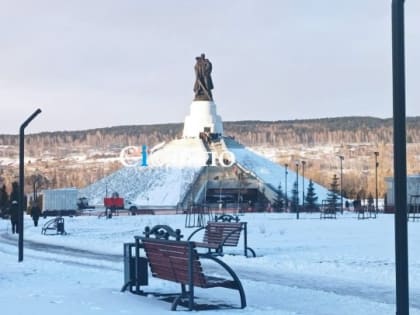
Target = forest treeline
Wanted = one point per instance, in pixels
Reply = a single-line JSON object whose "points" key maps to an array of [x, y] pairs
{"points": [[61, 156], [252, 133]]}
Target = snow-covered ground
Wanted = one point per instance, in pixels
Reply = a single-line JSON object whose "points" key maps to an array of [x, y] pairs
{"points": [[307, 266], [272, 173], [173, 166], [164, 182]]}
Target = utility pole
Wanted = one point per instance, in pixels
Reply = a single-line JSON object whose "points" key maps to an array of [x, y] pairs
{"points": [[22, 180], [341, 181], [376, 180], [400, 159], [297, 190], [303, 185], [285, 184]]}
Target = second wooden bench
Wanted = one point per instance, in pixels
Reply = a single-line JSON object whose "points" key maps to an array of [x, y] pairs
{"points": [[220, 234]]}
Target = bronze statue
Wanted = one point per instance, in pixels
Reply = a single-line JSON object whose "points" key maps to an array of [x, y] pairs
{"points": [[203, 82]]}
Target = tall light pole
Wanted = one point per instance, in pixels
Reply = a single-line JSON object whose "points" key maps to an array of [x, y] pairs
{"points": [[400, 158], [341, 181], [285, 184], [207, 181], [303, 185], [297, 191], [22, 179], [376, 180], [240, 176]]}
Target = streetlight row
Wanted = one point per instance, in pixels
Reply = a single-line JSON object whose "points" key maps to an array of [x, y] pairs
{"points": [[341, 157]]}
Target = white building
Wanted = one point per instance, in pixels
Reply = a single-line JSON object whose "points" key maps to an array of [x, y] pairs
{"points": [[413, 189]]}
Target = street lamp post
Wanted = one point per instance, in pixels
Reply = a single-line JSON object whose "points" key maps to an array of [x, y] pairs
{"points": [[297, 191], [400, 159], [376, 180], [303, 185], [220, 196], [22, 179], [341, 181], [285, 184], [240, 175], [207, 183]]}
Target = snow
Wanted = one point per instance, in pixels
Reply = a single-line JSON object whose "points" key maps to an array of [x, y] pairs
{"points": [[307, 267], [164, 182], [272, 173], [173, 166]]}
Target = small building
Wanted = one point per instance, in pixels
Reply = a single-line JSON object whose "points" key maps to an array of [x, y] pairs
{"points": [[413, 189]]}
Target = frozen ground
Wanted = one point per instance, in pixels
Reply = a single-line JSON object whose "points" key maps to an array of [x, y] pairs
{"points": [[310, 267]]}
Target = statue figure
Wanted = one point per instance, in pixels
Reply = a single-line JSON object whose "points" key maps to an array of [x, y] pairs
{"points": [[203, 82]]}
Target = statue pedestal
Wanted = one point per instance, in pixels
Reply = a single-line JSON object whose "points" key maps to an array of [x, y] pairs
{"points": [[202, 116]]}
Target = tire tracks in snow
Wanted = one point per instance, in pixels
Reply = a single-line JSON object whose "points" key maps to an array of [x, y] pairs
{"points": [[373, 292], [63, 252]]}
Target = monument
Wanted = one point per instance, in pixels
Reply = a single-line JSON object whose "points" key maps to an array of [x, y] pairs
{"points": [[203, 116], [175, 180]]}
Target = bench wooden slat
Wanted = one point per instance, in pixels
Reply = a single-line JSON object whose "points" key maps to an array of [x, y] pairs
{"points": [[171, 262], [177, 261], [179, 276], [217, 232], [171, 252]]}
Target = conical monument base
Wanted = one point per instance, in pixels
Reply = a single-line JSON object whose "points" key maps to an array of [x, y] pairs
{"points": [[202, 117]]}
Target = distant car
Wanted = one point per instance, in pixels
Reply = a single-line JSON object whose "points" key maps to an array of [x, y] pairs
{"points": [[133, 208]]}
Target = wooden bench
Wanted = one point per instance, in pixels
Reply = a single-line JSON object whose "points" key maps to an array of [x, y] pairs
{"points": [[135, 267], [414, 207], [327, 211], [56, 224], [220, 234], [366, 212], [178, 261]]}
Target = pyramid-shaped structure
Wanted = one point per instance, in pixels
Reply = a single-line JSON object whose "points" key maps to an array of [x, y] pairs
{"points": [[203, 167]]}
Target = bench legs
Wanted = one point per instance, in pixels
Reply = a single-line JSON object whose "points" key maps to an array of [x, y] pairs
{"points": [[246, 248], [238, 284], [249, 249], [189, 295]]}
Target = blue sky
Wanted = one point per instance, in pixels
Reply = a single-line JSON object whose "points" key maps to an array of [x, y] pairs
{"points": [[101, 63]]}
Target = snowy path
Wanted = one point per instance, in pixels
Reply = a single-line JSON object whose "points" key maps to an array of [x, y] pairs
{"points": [[345, 288], [381, 294], [62, 254]]}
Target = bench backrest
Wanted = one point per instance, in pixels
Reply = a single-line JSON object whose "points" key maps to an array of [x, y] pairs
{"points": [[172, 260], [219, 232]]}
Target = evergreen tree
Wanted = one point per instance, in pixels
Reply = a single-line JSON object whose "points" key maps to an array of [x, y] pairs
{"points": [[311, 198], [278, 204], [333, 194], [295, 197]]}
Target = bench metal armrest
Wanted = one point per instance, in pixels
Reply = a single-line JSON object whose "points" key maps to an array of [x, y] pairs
{"points": [[231, 273], [195, 232]]}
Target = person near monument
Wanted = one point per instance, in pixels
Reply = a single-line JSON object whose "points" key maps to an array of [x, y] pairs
{"points": [[203, 82], [35, 213], [14, 216]]}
